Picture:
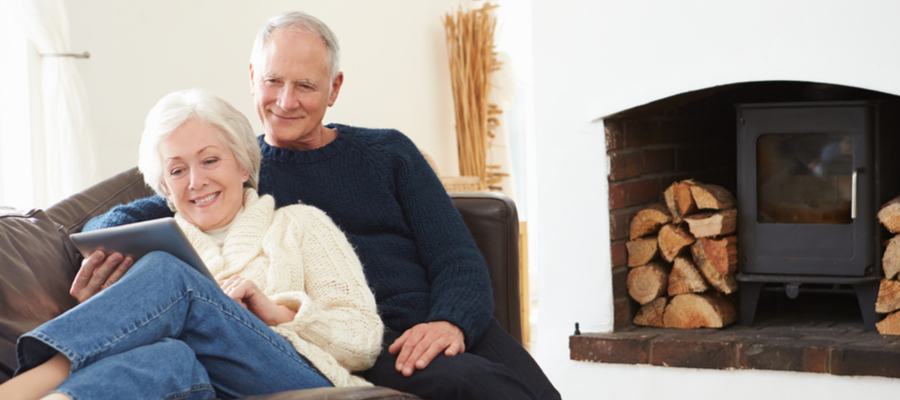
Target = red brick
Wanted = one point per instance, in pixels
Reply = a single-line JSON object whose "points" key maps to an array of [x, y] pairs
{"points": [[615, 135], [866, 361], [625, 165], [619, 224], [692, 353], [658, 161], [772, 355], [640, 133], [619, 348], [620, 283], [616, 196], [623, 312], [643, 192], [692, 159], [697, 158], [815, 359], [619, 254]]}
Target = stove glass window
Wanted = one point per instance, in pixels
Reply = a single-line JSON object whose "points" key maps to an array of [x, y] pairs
{"points": [[804, 178]]}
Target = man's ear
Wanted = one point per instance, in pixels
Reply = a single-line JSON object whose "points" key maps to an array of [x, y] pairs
{"points": [[251, 78], [335, 88]]}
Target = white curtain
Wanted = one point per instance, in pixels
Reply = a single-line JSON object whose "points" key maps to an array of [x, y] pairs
{"points": [[67, 156]]}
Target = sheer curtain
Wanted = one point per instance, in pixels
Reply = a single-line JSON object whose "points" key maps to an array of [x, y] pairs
{"points": [[64, 160]]}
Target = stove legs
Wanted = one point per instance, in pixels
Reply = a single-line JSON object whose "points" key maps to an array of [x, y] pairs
{"points": [[748, 300], [866, 289], [867, 294]]}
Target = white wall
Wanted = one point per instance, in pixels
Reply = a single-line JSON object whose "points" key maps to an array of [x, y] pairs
{"points": [[593, 58], [393, 57]]}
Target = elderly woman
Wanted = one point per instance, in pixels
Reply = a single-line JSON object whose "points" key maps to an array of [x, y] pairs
{"points": [[292, 309]]}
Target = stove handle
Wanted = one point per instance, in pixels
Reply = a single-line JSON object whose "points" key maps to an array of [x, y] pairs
{"points": [[853, 191]]}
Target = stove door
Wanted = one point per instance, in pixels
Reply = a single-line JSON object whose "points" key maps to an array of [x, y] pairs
{"points": [[805, 188]]}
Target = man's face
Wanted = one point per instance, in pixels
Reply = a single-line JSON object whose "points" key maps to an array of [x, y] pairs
{"points": [[292, 88]]}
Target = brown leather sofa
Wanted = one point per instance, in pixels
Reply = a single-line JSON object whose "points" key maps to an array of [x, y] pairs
{"points": [[38, 263]]}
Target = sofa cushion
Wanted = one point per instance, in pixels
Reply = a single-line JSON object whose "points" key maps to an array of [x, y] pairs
{"points": [[36, 269]]}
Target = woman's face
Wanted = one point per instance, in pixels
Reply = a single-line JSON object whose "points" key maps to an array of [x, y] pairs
{"points": [[201, 176]]}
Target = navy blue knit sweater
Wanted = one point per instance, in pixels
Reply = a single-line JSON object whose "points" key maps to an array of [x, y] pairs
{"points": [[417, 254]]}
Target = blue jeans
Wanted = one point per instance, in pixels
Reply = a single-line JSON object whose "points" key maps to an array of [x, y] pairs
{"points": [[164, 331]]}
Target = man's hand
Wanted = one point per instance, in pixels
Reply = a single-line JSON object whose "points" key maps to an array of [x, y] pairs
{"points": [[423, 342], [98, 272], [251, 297]]}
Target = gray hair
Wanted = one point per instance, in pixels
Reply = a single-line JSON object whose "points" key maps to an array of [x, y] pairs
{"points": [[302, 21], [176, 108]]}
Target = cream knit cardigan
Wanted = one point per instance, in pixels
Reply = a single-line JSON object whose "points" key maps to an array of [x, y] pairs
{"points": [[302, 260]]}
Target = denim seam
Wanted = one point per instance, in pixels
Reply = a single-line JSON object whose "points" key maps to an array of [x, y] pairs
{"points": [[187, 393], [74, 359]]}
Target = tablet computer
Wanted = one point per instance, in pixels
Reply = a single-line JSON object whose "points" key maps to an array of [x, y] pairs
{"points": [[140, 238]]}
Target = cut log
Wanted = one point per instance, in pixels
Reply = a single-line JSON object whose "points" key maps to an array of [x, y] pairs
{"points": [[710, 224], [651, 314], [679, 200], [647, 282], [890, 262], [707, 310], [890, 325], [717, 261], [685, 278], [641, 251], [671, 240], [711, 197], [888, 296], [889, 215], [649, 220]]}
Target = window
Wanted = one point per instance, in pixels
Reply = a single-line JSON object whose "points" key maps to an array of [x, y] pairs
{"points": [[18, 120]]}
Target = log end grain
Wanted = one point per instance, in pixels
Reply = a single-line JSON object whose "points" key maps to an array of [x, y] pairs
{"points": [[651, 314], [647, 282]]}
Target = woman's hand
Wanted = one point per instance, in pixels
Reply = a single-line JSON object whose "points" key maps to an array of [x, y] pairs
{"points": [[249, 296], [98, 272]]}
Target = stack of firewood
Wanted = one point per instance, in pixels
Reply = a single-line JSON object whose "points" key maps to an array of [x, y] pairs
{"points": [[683, 258], [889, 291]]}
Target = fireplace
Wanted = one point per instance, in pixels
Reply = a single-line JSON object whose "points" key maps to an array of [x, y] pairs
{"points": [[811, 176], [694, 135]]}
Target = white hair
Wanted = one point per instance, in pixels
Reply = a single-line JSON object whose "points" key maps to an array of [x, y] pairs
{"points": [[174, 110], [302, 21]]}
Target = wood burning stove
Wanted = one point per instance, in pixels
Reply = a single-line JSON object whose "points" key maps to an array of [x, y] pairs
{"points": [[810, 179]]}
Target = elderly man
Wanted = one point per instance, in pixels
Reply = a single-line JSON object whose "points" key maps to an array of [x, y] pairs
{"points": [[429, 278]]}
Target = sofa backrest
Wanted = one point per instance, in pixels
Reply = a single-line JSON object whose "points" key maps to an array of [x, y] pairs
{"points": [[38, 261]]}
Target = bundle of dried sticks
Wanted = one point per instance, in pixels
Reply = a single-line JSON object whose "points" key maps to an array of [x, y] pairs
{"points": [[470, 43]]}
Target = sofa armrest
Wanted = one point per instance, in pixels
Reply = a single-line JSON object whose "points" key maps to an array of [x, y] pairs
{"points": [[494, 223]]}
